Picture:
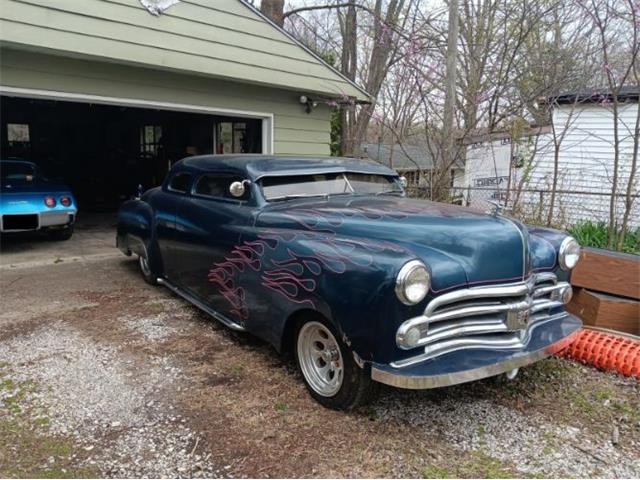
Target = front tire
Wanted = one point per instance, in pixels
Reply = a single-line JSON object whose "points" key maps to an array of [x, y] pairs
{"points": [[328, 368]]}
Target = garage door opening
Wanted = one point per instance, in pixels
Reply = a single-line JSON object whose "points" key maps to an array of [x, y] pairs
{"points": [[104, 152]]}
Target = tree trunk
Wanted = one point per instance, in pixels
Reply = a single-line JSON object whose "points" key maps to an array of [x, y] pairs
{"points": [[616, 166], [443, 180], [629, 199], [381, 53], [274, 9], [349, 65], [554, 182]]}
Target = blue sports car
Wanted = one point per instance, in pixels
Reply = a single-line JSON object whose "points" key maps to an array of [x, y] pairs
{"points": [[31, 202], [328, 259]]}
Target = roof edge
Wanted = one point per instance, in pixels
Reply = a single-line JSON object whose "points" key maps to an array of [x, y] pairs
{"points": [[594, 95], [365, 95]]}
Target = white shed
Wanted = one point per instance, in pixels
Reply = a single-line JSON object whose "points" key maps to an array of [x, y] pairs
{"points": [[583, 131]]}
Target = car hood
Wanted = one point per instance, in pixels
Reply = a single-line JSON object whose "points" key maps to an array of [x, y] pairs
{"points": [[460, 245]]}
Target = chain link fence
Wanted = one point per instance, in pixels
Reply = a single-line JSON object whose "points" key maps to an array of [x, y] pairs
{"points": [[533, 205]]}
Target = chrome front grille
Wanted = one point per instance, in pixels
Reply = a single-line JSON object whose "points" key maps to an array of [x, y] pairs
{"points": [[488, 317]]}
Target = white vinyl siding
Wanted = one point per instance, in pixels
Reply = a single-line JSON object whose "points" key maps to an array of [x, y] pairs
{"points": [[586, 160]]}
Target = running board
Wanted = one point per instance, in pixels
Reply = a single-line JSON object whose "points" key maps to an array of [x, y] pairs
{"points": [[208, 310]]}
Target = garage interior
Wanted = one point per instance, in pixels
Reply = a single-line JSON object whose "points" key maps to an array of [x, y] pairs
{"points": [[103, 152]]}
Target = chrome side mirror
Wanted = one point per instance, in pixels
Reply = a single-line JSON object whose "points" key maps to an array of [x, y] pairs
{"points": [[403, 182], [238, 189]]}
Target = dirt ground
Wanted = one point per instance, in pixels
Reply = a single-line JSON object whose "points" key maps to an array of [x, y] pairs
{"points": [[103, 375]]}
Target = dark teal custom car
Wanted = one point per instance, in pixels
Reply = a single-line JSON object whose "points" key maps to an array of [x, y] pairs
{"points": [[328, 259], [31, 202]]}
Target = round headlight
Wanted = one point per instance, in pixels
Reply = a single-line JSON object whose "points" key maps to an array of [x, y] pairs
{"points": [[412, 283], [569, 253]]}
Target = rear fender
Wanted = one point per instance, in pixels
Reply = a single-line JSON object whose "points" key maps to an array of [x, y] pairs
{"points": [[135, 232]]}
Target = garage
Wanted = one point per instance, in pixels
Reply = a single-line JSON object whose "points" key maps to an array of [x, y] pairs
{"points": [[105, 152], [105, 96]]}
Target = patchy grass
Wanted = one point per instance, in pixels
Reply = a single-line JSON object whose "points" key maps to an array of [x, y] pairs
{"points": [[567, 390], [27, 448], [281, 406], [472, 464], [434, 471], [28, 451], [481, 465]]}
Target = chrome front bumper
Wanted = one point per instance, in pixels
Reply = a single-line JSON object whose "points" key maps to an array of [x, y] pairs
{"points": [[471, 364]]}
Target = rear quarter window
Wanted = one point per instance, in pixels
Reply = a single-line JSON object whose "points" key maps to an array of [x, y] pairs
{"points": [[217, 186], [180, 182]]}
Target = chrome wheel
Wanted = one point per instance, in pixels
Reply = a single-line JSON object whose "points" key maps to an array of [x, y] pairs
{"points": [[144, 266], [320, 359]]}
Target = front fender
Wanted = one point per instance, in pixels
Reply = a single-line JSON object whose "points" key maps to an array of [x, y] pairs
{"points": [[350, 281], [544, 244]]}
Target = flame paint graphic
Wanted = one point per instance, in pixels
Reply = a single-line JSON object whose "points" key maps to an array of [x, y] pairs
{"points": [[295, 275]]}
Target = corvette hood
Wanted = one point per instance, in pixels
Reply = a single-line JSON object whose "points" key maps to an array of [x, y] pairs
{"points": [[461, 246]]}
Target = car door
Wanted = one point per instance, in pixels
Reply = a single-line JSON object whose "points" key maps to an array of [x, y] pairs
{"points": [[209, 225], [165, 207]]}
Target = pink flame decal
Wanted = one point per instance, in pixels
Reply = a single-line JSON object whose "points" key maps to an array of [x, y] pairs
{"points": [[292, 276]]}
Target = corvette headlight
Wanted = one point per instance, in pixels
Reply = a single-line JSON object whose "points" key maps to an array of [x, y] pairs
{"points": [[569, 253], [412, 283]]}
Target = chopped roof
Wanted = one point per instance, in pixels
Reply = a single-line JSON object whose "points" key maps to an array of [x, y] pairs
{"points": [[257, 166]]}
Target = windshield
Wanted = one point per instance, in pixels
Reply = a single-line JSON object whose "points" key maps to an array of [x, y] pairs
{"points": [[277, 188], [17, 172]]}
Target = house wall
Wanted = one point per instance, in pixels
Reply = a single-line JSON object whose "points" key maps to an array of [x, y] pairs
{"points": [[295, 132], [221, 38], [586, 161]]}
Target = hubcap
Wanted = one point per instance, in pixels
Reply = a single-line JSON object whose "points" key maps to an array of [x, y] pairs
{"points": [[144, 265], [320, 359]]}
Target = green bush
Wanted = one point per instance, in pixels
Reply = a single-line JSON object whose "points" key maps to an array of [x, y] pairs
{"points": [[591, 234]]}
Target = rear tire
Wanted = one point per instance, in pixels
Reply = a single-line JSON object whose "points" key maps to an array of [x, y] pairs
{"points": [[146, 271], [328, 368], [61, 234]]}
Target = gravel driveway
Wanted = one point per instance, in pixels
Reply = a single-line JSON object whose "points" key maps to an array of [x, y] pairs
{"points": [[103, 375]]}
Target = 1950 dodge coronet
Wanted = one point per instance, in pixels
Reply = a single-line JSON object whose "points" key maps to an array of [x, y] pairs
{"points": [[328, 259]]}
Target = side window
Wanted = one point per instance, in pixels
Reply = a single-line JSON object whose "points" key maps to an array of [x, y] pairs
{"points": [[180, 182], [217, 186]]}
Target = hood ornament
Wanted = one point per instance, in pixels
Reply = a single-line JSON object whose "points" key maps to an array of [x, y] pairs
{"points": [[498, 208]]}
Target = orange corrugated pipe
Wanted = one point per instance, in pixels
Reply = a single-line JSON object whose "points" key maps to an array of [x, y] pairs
{"points": [[606, 351]]}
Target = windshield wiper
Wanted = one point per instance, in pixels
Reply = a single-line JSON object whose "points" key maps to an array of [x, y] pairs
{"points": [[298, 195], [385, 192]]}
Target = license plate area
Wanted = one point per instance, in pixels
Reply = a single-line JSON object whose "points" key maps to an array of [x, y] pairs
{"points": [[20, 222]]}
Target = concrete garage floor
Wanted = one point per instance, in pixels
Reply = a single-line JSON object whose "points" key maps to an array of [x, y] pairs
{"points": [[94, 238], [103, 375]]}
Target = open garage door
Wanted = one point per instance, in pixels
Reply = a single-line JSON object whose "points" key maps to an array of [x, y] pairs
{"points": [[105, 151]]}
